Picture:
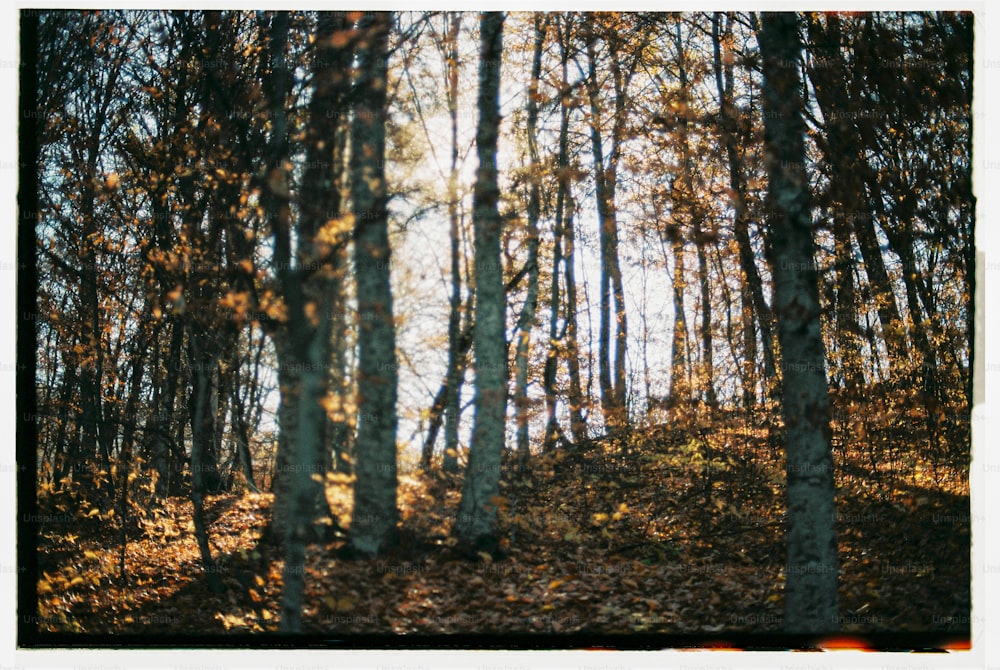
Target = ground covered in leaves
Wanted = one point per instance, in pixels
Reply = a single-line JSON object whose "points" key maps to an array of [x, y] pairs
{"points": [[660, 531]]}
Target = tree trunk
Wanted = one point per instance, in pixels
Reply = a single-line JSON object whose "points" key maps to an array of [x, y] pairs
{"points": [[456, 357], [199, 425], [304, 341], [238, 411], [373, 524], [696, 215], [565, 230], [611, 285], [680, 388], [812, 559], [475, 526], [551, 369], [322, 189], [527, 319]]}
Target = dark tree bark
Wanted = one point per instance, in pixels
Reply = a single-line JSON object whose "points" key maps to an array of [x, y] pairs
{"points": [[200, 424], [475, 526], [812, 559], [239, 413]]}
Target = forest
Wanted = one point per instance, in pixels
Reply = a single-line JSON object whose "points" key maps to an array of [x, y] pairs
{"points": [[438, 323]]}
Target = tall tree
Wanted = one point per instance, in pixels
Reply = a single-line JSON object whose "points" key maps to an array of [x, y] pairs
{"points": [[456, 356], [475, 526], [373, 523], [303, 340], [526, 321], [812, 560], [611, 367]]}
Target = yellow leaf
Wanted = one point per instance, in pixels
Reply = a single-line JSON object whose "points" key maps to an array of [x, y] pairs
{"points": [[267, 615], [93, 512], [76, 580], [555, 583], [90, 554]]}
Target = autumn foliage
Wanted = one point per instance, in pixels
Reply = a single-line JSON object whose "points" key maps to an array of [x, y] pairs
{"points": [[432, 323]]}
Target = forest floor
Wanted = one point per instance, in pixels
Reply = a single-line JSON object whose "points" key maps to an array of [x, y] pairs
{"points": [[681, 533]]}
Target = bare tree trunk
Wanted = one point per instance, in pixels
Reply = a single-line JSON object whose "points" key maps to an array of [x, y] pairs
{"points": [[551, 369], [475, 526], [373, 524], [238, 411], [303, 344], [527, 319], [565, 243], [680, 389], [199, 424], [812, 559], [456, 357], [611, 285]]}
